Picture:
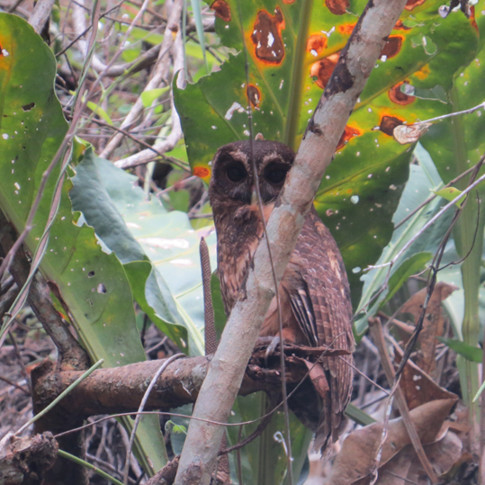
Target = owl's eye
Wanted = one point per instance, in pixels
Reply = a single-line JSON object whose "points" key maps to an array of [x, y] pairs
{"points": [[275, 173], [236, 172]]}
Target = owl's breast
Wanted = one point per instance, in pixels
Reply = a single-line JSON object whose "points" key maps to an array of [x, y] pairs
{"points": [[237, 239]]}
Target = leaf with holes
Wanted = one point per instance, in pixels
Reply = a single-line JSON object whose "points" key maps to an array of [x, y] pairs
{"points": [[158, 248], [291, 49], [92, 283]]}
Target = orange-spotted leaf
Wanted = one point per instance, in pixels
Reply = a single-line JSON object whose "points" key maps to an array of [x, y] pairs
{"points": [[285, 54]]}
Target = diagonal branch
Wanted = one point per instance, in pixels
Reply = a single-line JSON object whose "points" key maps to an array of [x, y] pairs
{"points": [[314, 155]]}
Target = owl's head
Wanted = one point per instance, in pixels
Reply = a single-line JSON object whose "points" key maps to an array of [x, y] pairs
{"points": [[232, 171]]}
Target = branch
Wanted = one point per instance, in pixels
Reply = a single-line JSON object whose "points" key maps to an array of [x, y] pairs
{"points": [[121, 389], [40, 14], [163, 144], [25, 460], [159, 73], [80, 17], [314, 155]]}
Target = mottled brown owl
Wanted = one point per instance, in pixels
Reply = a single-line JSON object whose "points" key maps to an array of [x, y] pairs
{"points": [[314, 291]]}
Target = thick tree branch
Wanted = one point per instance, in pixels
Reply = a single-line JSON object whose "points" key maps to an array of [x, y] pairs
{"points": [[314, 155], [120, 389], [40, 14]]}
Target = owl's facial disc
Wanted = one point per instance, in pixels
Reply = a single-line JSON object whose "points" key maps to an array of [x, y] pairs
{"points": [[273, 176], [232, 177], [275, 172], [235, 168], [235, 171]]}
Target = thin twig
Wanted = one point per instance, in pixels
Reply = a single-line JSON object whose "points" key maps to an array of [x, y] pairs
{"points": [[158, 74], [142, 160], [141, 408], [428, 225], [451, 115], [378, 337]]}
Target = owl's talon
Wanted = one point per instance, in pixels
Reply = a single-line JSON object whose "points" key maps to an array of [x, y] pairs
{"points": [[263, 341], [275, 341]]}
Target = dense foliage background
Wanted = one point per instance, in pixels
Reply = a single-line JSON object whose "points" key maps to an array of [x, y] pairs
{"points": [[110, 115]]}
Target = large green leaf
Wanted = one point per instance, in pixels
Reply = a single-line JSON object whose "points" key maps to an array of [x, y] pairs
{"points": [[383, 281], [92, 283], [264, 459], [455, 145], [290, 49], [159, 248]]}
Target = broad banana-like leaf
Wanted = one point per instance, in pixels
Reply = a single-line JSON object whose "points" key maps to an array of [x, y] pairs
{"points": [[285, 54], [92, 283], [456, 144], [159, 249]]}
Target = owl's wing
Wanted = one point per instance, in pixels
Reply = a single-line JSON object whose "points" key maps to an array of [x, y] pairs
{"points": [[319, 295]]}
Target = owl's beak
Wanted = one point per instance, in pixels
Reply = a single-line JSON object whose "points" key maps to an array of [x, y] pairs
{"points": [[254, 197]]}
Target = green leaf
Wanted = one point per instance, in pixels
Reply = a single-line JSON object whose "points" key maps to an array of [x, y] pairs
{"points": [[217, 304], [359, 416], [475, 354], [451, 193], [179, 429], [143, 35], [290, 49], [148, 97], [161, 247], [92, 283], [383, 281], [264, 460], [178, 195], [99, 111], [197, 13], [31, 138], [410, 266]]}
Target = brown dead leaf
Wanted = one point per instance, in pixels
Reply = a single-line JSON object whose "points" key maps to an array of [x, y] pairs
{"points": [[405, 468], [358, 458], [433, 323], [417, 386]]}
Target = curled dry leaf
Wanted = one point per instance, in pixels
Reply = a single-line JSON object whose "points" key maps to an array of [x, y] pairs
{"points": [[405, 468], [405, 134], [360, 451], [433, 323]]}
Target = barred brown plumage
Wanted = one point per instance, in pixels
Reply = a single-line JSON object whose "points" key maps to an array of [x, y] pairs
{"points": [[314, 292]]}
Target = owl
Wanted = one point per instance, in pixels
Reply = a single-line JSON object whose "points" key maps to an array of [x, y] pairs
{"points": [[314, 292]]}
